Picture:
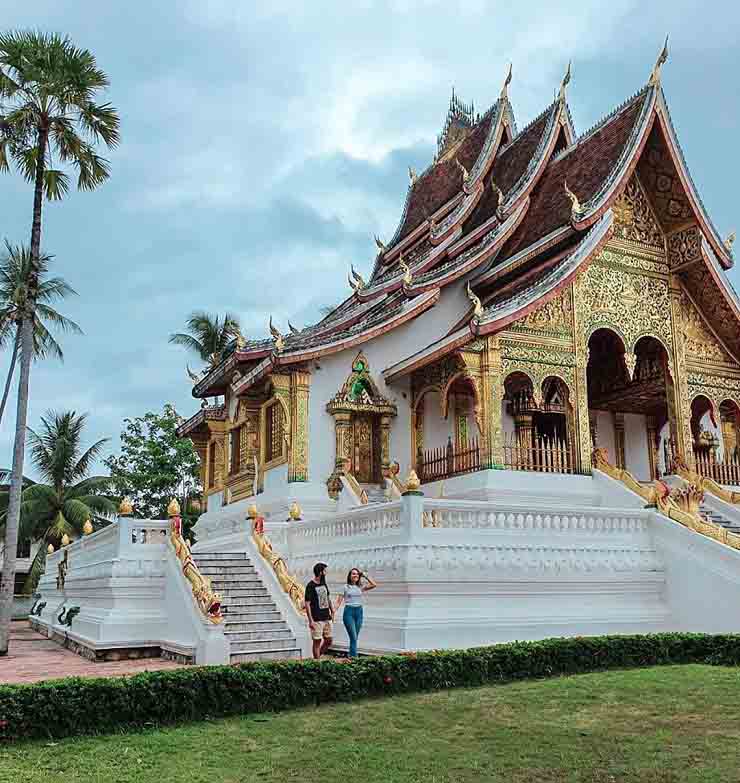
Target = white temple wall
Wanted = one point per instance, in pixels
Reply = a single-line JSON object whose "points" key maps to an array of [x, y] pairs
{"points": [[330, 372], [436, 429], [605, 434], [507, 421], [636, 457], [665, 437]]}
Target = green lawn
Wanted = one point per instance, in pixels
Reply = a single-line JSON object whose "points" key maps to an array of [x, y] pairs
{"points": [[662, 725]]}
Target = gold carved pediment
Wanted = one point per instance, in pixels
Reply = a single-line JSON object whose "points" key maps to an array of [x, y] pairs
{"points": [[555, 316], [634, 220], [699, 340], [359, 392]]}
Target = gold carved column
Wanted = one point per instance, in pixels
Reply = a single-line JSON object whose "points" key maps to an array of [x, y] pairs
{"points": [[298, 452], [679, 406], [582, 421], [492, 388], [385, 445]]}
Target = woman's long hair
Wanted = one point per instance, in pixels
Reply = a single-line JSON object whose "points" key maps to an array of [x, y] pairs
{"points": [[349, 576]]}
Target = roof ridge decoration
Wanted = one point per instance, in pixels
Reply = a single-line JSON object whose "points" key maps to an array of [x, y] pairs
{"points": [[576, 210], [730, 241], [292, 328], [564, 83], [457, 112], [359, 282], [413, 176], [407, 276], [477, 304], [654, 80], [504, 96], [277, 337]]}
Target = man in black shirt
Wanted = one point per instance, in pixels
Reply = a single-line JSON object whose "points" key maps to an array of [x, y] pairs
{"points": [[319, 610]]}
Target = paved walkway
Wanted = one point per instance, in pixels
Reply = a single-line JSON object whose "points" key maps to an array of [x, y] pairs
{"points": [[32, 657]]}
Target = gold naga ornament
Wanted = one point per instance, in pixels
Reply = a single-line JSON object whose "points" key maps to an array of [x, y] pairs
{"points": [[564, 84], [413, 176], [356, 282], [655, 73], [379, 244], [412, 481], [173, 508], [730, 241], [277, 337], [407, 276], [507, 81], [576, 208], [477, 304]]}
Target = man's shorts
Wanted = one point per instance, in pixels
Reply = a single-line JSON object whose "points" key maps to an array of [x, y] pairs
{"points": [[321, 630]]}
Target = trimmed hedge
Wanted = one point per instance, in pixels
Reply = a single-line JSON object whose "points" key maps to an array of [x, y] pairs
{"points": [[59, 708]]}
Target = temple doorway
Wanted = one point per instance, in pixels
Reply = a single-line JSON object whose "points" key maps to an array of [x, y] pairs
{"points": [[628, 401], [365, 457]]}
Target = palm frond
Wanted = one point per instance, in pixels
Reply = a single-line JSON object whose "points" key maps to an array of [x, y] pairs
{"points": [[36, 571]]}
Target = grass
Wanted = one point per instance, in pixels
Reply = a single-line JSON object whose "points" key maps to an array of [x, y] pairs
{"points": [[662, 725]]}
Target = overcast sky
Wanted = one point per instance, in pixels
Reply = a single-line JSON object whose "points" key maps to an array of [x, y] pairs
{"points": [[263, 144]]}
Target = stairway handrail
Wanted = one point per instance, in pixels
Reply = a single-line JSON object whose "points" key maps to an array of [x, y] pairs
{"points": [[600, 462], [355, 488], [707, 484], [291, 586], [207, 599]]}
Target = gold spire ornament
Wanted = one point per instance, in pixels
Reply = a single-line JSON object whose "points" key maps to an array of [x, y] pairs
{"points": [[193, 376], [277, 337], [65, 540], [413, 176], [576, 207], [465, 173], [252, 512], [407, 276], [730, 241], [50, 550], [477, 304], [357, 278], [87, 528], [292, 328], [173, 509], [507, 82], [412, 481], [655, 73], [125, 509], [295, 512], [564, 84]]}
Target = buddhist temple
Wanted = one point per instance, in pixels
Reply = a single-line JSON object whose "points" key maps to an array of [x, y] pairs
{"points": [[523, 424], [544, 294]]}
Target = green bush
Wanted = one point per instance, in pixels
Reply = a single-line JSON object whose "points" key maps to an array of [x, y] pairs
{"points": [[59, 708]]}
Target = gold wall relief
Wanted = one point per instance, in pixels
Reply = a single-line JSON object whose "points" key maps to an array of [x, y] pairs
{"points": [[634, 220], [684, 247], [492, 385], [700, 344], [554, 318], [298, 454]]}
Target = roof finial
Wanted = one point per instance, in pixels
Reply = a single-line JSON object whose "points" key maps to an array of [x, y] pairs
{"points": [[193, 377], [477, 304], [277, 337], [564, 83], [412, 176], [240, 342], [507, 82], [292, 328], [380, 245], [730, 241], [576, 207], [407, 277], [357, 277], [465, 173], [655, 73], [499, 200]]}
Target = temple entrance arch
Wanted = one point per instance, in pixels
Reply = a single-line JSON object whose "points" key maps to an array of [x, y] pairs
{"points": [[630, 394], [362, 422]]}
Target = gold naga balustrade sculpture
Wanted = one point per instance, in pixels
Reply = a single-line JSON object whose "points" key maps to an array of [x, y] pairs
{"points": [[680, 504], [288, 582], [208, 601]]}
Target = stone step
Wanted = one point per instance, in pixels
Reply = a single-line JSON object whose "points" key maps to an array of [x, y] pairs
{"points": [[253, 626], [259, 614], [224, 564], [240, 582], [267, 655], [262, 645], [212, 570], [244, 592], [238, 605], [220, 556], [258, 637]]}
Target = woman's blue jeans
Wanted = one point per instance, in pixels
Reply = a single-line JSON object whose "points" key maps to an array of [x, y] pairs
{"points": [[352, 619]]}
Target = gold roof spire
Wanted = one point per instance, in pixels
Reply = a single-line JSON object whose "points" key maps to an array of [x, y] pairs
{"points": [[662, 57], [565, 82], [277, 337], [507, 82]]}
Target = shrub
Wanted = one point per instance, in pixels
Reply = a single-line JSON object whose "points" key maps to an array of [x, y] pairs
{"points": [[59, 708]]}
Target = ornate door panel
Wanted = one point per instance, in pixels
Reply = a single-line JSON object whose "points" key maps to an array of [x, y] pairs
{"points": [[364, 453]]}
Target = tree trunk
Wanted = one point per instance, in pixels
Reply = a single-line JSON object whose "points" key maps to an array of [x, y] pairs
{"points": [[19, 447], [11, 370]]}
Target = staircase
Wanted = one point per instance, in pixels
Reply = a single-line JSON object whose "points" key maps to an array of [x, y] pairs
{"points": [[718, 519], [252, 621], [375, 493]]}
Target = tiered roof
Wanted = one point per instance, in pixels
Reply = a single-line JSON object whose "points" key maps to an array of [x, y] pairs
{"points": [[518, 213]]}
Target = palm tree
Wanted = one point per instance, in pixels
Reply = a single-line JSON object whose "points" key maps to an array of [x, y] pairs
{"points": [[66, 497], [15, 278], [48, 113], [208, 336]]}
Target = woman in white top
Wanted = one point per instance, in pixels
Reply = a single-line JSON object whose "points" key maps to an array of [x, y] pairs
{"points": [[352, 597]]}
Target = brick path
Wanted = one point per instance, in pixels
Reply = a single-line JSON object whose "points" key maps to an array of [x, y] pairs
{"points": [[33, 657]]}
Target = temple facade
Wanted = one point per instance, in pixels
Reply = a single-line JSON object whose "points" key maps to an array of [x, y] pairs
{"points": [[544, 294]]}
